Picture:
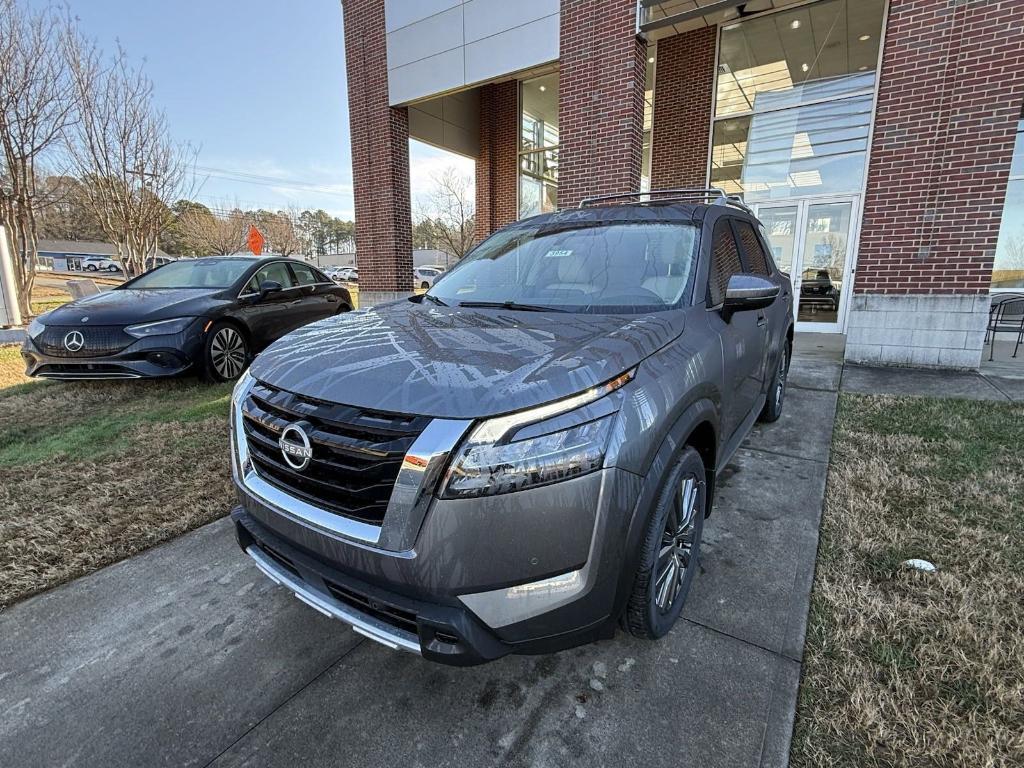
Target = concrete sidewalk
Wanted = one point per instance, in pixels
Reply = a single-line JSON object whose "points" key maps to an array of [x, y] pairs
{"points": [[187, 655]]}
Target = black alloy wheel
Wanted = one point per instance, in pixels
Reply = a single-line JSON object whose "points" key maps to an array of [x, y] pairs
{"points": [[670, 554]]}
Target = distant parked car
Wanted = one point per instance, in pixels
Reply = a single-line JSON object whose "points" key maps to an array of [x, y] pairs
{"points": [[346, 275], [424, 277], [206, 315], [100, 264], [158, 261]]}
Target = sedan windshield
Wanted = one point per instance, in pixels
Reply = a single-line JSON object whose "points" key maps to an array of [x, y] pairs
{"points": [[194, 273], [608, 268]]}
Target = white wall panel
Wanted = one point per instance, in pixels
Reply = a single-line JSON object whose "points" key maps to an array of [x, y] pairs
{"points": [[489, 39], [401, 13]]}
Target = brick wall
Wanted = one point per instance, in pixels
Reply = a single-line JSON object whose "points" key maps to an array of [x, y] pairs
{"points": [[601, 94], [497, 165], [949, 100], [684, 81], [380, 156]]}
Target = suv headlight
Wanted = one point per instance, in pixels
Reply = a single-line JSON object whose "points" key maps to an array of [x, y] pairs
{"points": [[35, 328], [159, 328], [492, 461]]}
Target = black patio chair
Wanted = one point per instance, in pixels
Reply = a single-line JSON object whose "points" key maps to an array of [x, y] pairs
{"points": [[1006, 315]]}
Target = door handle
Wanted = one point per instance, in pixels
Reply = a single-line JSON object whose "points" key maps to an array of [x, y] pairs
{"points": [[762, 321]]}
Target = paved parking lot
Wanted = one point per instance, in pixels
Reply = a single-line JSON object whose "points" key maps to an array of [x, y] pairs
{"points": [[187, 655]]}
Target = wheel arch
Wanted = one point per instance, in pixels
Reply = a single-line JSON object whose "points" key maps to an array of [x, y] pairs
{"points": [[696, 427]]}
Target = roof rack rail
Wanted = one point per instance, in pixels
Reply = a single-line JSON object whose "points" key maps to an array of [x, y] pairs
{"points": [[706, 195]]}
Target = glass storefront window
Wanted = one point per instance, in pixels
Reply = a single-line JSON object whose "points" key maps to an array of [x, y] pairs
{"points": [[794, 99], [824, 50], [538, 145], [811, 150], [1008, 270]]}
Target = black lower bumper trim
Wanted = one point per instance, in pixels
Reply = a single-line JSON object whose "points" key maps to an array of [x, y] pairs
{"points": [[446, 634]]}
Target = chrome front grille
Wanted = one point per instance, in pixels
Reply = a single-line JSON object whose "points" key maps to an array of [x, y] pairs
{"points": [[356, 453], [96, 341]]}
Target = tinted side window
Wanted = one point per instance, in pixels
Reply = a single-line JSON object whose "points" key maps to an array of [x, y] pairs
{"points": [[725, 262], [753, 252], [276, 271], [303, 274]]}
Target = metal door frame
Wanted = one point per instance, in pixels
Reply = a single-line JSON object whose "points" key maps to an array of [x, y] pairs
{"points": [[803, 206]]}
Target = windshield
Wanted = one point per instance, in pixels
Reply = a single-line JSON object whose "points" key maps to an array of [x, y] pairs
{"points": [[197, 273], [605, 268]]}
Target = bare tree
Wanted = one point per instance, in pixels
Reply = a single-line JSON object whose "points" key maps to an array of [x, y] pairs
{"points": [[206, 232], [450, 208], [131, 170], [37, 104], [280, 230]]}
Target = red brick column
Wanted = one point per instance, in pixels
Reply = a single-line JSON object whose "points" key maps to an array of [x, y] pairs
{"points": [[684, 82], [497, 166], [949, 100], [601, 94], [380, 158]]}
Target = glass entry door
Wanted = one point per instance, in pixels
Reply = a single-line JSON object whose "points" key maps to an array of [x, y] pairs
{"points": [[814, 241]]}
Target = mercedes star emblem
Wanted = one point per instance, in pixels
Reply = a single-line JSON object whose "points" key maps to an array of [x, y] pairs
{"points": [[74, 341]]}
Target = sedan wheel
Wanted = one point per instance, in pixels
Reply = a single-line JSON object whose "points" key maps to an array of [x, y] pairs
{"points": [[227, 353]]}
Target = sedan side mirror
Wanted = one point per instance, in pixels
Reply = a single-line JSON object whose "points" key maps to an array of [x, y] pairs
{"points": [[747, 292], [268, 287]]}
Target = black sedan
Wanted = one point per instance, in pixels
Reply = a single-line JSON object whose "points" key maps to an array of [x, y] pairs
{"points": [[204, 315]]}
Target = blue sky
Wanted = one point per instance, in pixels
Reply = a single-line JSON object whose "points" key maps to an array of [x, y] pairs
{"points": [[259, 87]]}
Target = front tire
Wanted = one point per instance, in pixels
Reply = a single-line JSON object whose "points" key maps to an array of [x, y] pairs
{"points": [[670, 551], [225, 353], [90, 268], [425, 285]]}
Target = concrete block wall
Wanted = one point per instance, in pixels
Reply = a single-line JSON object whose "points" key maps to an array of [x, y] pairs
{"points": [[917, 330]]}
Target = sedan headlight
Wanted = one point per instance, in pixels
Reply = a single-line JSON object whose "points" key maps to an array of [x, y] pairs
{"points": [[493, 461], [159, 328], [35, 328]]}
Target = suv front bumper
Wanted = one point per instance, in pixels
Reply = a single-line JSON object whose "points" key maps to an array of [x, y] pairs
{"points": [[544, 580]]}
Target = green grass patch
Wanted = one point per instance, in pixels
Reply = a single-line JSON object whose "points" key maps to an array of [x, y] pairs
{"points": [[95, 432]]}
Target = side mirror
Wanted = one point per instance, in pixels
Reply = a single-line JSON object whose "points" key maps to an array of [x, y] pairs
{"points": [[747, 292], [268, 287]]}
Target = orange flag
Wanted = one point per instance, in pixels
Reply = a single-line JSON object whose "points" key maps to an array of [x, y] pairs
{"points": [[255, 241]]}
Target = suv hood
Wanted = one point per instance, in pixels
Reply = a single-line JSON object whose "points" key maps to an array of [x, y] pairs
{"points": [[459, 363]]}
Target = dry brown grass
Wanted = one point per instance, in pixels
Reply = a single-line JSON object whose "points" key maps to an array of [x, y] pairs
{"points": [[904, 668], [95, 472], [12, 369]]}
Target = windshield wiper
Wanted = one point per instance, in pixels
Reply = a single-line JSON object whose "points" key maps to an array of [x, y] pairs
{"points": [[513, 305], [434, 300]]}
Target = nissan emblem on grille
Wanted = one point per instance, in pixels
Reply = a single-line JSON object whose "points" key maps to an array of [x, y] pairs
{"points": [[74, 341], [295, 447]]}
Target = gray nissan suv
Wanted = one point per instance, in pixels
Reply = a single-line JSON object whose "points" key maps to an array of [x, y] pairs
{"points": [[521, 459]]}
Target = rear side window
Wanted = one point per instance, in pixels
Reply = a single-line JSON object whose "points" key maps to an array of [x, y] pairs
{"points": [[725, 262], [753, 252], [303, 274]]}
